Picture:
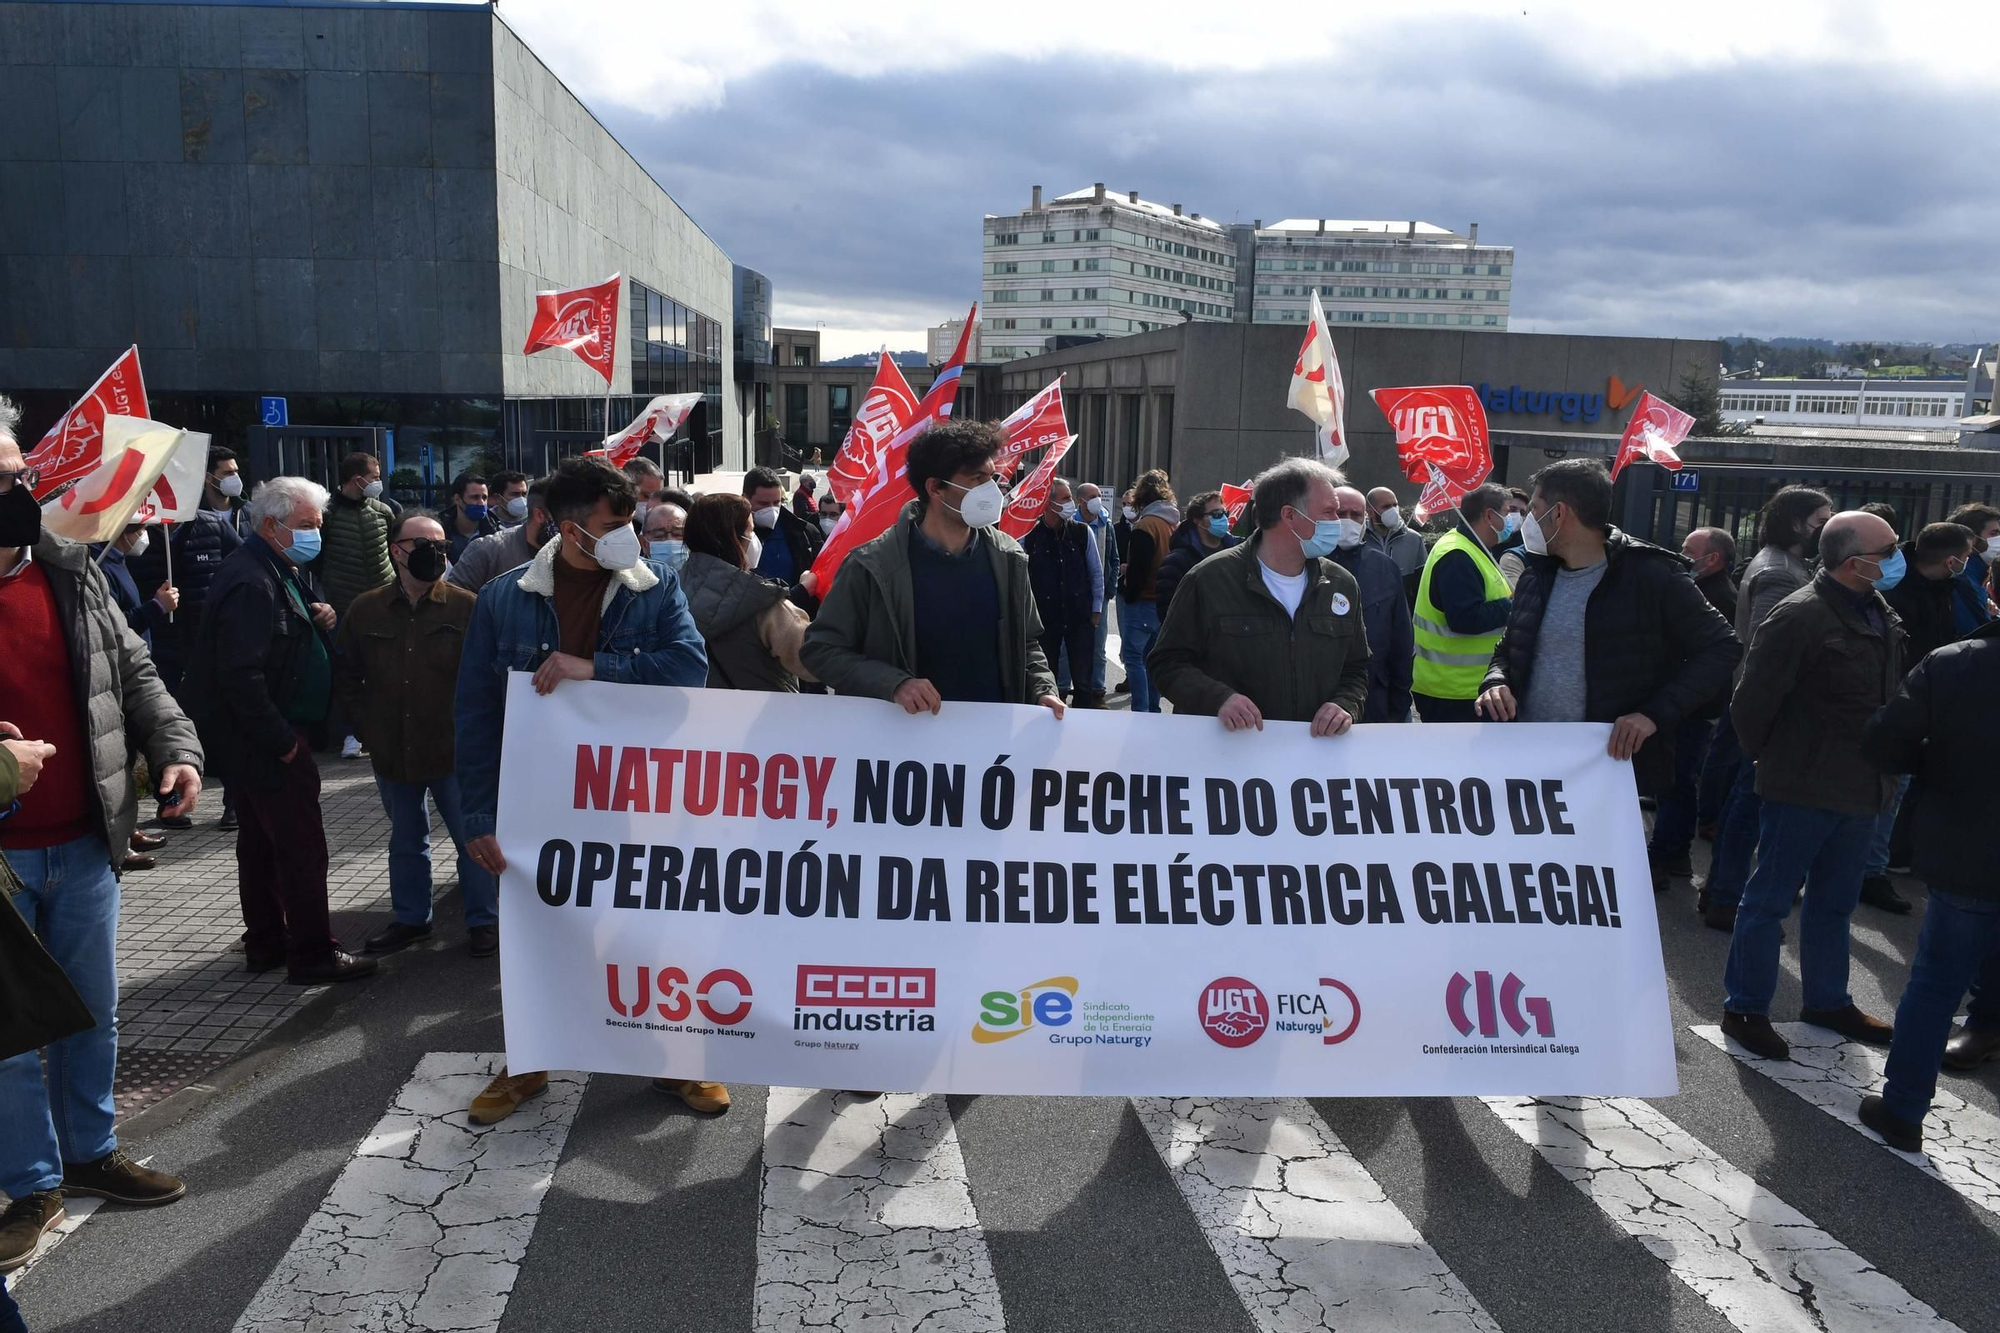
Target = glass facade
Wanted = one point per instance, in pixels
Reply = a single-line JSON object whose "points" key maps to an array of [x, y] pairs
{"points": [[677, 349]]}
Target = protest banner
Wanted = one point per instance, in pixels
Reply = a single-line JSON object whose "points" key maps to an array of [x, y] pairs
{"points": [[829, 892]]}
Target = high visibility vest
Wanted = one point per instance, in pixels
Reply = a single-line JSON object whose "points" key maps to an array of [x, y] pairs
{"points": [[1448, 665]]}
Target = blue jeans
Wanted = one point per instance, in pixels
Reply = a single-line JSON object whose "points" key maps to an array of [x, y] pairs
{"points": [[1983, 1009], [10, 1313], [410, 853], [1959, 935], [1103, 639], [1674, 819], [71, 902], [1718, 772], [1824, 849], [1885, 828], [1735, 838], [1138, 626]]}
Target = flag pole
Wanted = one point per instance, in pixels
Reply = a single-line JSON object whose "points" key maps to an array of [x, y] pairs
{"points": [[167, 532]]}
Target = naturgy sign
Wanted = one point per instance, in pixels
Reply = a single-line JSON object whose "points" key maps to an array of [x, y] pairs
{"points": [[1586, 407]]}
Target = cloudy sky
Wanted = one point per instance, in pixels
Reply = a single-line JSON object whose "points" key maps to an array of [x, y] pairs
{"points": [[1691, 168]]}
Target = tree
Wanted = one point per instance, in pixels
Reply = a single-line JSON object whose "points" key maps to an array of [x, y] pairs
{"points": [[1700, 398]]}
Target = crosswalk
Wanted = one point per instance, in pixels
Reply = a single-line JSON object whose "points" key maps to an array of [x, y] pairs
{"points": [[867, 1217]]}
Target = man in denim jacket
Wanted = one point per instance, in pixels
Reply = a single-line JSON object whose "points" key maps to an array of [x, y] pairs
{"points": [[587, 607]]}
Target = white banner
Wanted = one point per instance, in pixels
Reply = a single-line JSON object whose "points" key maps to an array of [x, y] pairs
{"points": [[828, 892]]}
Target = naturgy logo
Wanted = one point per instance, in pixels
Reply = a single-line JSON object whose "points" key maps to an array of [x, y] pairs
{"points": [[1049, 1003]]}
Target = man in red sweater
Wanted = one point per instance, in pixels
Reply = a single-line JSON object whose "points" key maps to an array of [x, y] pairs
{"points": [[77, 680]]}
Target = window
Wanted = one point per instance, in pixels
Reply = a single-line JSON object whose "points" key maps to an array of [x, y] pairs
{"points": [[1048, 323], [1048, 266], [1048, 293], [1378, 317], [795, 413], [1090, 265], [802, 355], [1493, 321], [1006, 238], [1007, 266], [1048, 238], [1492, 270], [839, 410]]}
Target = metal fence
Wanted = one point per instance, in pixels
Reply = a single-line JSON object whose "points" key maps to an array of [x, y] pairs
{"points": [[1730, 495]]}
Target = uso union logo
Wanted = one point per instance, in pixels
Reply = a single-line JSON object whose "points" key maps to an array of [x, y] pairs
{"points": [[1233, 1012], [723, 996]]}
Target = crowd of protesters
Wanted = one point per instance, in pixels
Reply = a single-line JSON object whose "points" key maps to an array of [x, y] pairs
{"points": [[1813, 710]]}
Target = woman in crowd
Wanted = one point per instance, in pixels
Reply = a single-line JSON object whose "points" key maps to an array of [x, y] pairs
{"points": [[753, 633], [1139, 620]]}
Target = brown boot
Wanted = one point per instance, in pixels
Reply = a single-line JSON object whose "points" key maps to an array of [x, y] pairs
{"points": [[26, 1221], [1754, 1033], [1971, 1047], [708, 1098], [1850, 1023], [504, 1095], [118, 1178]]}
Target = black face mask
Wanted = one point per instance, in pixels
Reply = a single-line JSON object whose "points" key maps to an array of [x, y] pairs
{"points": [[426, 561], [20, 517], [1812, 544]]}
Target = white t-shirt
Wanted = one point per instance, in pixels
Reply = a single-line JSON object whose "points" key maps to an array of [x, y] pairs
{"points": [[1289, 589]]}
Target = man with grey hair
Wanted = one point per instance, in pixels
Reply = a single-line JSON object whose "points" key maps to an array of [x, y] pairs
{"points": [[260, 679], [1823, 661], [1271, 628]]}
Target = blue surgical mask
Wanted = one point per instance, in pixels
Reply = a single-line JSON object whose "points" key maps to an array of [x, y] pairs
{"points": [[1218, 525], [475, 512], [305, 546], [1892, 573], [672, 552], [1325, 539], [1510, 526]]}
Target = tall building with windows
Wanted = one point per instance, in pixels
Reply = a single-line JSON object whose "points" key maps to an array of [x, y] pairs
{"points": [[1095, 264], [1380, 273], [1092, 264]]}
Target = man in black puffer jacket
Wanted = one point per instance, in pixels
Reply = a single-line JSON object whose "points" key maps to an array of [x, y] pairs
{"points": [[1605, 628], [1069, 590]]}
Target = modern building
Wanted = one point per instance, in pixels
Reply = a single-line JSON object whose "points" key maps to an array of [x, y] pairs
{"points": [[942, 340], [1918, 404], [347, 206], [755, 407], [1094, 264], [816, 402]]}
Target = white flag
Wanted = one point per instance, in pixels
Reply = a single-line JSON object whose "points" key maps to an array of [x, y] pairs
{"points": [[177, 494], [1316, 388], [97, 508]]}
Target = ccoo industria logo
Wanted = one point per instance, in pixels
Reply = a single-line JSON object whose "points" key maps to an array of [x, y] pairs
{"points": [[843, 997]]}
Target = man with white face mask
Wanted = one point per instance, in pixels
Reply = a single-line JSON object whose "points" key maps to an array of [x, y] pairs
{"points": [[938, 608], [588, 607], [786, 543], [1389, 533], [1385, 612], [1462, 606]]}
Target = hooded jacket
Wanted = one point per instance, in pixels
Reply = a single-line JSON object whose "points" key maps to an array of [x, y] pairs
{"points": [[1152, 537], [752, 632]]}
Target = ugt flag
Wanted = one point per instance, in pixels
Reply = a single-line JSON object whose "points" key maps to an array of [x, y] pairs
{"points": [[1441, 441], [1317, 389], [886, 411], [583, 320], [75, 444], [658, 420], [1025, 509], [177, 494], [943, 393], [1033, 425], [1650, 436], [96, 509]]}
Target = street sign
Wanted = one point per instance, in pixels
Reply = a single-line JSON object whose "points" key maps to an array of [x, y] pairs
{"points": [[1686, 480], [273, 412]]}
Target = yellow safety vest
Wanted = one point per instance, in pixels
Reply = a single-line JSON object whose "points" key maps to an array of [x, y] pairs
{"points": [[1448, 665]]}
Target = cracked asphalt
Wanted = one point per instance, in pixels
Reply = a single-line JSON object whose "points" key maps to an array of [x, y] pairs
{"points": [[654, 1212]]}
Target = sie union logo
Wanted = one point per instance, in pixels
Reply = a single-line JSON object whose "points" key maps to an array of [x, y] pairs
{"points": [[1511, 1006], [723, 996], [1049, 1003], [1234, 1012]]}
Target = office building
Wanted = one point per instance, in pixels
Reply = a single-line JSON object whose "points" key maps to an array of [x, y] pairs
{"points": [[941, 341], [1873, 403], [1410, 273], [347, 206]]}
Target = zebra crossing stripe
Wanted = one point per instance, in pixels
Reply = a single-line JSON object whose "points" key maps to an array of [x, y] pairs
{"points": [[1961, 1142], [866, 1220], [426, 1226], [1760, 1262], [1308, 1238]]}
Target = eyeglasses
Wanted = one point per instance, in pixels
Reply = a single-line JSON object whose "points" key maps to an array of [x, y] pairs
{"points": [[1216, 513], [26, 476]]}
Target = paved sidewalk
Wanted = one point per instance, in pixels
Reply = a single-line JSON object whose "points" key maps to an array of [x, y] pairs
{"points": [[186, 1006]]}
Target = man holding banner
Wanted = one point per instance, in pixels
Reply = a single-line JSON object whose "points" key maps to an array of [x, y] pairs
{"points": [[1272, 628], [1605, 628], [940, 606], [586, 608]]}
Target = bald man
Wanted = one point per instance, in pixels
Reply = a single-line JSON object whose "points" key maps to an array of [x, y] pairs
{"points": [[1824, 660]]}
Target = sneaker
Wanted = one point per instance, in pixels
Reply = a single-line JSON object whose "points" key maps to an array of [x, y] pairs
{"points": [[339, 966], [1754, 1033], [1851, 1023], [396, 935], [26, 1221], [504, 1095], [351, 748], [118, 1178], [711, 1098], [1877, 891], [1897, 1132]]}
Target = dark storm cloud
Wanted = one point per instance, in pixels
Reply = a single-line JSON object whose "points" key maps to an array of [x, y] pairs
{"points": [[1764, 198]]}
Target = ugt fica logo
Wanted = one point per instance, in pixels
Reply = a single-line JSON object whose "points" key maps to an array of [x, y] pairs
{"points": [[1510, 1007], [1331, 1013], [1233, 1011], [723, 996]]}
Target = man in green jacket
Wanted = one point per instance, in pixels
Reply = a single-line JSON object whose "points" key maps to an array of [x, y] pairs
{"points": [[354, 552], [939, 607], [1271, 628]]}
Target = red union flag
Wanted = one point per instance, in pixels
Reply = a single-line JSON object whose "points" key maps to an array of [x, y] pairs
{"points": [[1656, 427], [1032, 497], [1440, 440], [1033, 425], [1317, 390], [658, 420], [583, 320], [943, 393], [98, 507], [886, 412], [874, 508], [177, 493], [74, 446], [1235, 499]]}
